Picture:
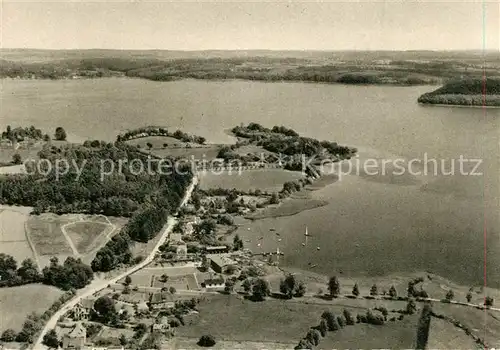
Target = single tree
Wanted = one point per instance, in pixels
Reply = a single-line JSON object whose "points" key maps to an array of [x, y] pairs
{"points": [[334, 286], [323, 327], [247, 285], [450, 295], [393, 292], [60, 134], [123, 340], [300, 289], [105, 307], [260, 289], [8, 335], [411, 306], [313, 337], [150, 145], [374, 290], [469, 297], [304, 344], [287, 286], [348, 317], [206, 341], [50, 339], [16, 159], [172, 290], [341, 321], [355, 290], [128, 280], [488, 301]]}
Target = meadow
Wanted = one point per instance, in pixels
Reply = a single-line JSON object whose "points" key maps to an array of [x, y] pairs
{"points": [[24, 300], [84, 234], [231, 318], [270, 180], [13, 240]]}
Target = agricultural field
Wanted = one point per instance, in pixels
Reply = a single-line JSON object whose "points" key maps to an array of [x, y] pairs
{"points": [[157, 142], [267, 180], [70, 235], [84, 234], [178, 277], [6, 154], [444, 335], [165, 146], [197, 153], [180, 343], [13, 239], [231, 318], [392, 335], [19, 302]]}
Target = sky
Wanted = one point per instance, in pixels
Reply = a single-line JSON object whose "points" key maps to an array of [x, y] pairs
{"points": [[275, 25]]}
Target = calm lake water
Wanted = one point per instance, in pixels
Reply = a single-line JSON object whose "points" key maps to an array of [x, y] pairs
{"points": [[372, 226]]}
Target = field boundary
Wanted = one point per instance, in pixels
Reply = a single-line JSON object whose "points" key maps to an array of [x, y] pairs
{"points": [[32, 245]]}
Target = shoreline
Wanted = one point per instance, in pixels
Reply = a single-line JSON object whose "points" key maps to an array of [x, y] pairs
{"points": [[456, 106]]}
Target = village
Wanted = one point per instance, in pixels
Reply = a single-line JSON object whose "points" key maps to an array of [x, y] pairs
{"points": [[145, 308]]}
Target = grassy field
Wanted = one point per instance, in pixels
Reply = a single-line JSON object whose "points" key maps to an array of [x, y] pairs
{"points": [[87, 233], [13, 239], [6, 154], [182, 343], [444, 335], [197, 153], [156, 142], [392, 335], [47, 236], [18, 302], [84, 234], [231, 318], [263, 179]]}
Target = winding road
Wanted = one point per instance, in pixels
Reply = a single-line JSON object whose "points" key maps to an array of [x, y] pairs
{"points": [[98, 285]]}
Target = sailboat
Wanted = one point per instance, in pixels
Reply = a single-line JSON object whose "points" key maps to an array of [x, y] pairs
{"points": [[306, 233]]}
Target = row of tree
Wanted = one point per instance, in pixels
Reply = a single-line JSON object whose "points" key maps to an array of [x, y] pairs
{"points": [[159, 131]]}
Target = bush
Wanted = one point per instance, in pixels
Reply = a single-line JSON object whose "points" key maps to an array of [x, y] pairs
{"points": [[206, 341], [8, 335]]}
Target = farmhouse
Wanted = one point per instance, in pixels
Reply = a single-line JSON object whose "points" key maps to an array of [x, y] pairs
{"points": [[82, 310], [218, 262], [76, 338], [162, 300]]}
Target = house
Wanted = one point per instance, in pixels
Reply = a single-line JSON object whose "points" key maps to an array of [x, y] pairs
{"points": [[162, 326], [81, 311], [175, 238], [219, 262], [76, 338], [214, 283], [162, 300], [181, 251], [217, 249]]}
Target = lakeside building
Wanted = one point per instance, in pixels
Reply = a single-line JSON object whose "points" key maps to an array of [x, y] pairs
{"points": [[221, 249], [219, 262], [76, 338]]}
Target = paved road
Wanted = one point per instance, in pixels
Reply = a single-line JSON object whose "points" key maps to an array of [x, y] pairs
{"points": [[98, 285]]}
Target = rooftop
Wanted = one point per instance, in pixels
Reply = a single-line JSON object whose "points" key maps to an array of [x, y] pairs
{"points": [[78, 331]]}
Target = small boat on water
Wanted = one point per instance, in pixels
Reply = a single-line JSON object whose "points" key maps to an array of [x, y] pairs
{"points": [[303, 244], [272, 229], [261, 238], [247, 240], [278, 234], [313, 266], [279, 240], [258, 245], [318, 248], [306, 233]]}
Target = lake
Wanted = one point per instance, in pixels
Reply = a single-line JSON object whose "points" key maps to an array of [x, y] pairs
{"points": [[373, 224]]}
